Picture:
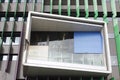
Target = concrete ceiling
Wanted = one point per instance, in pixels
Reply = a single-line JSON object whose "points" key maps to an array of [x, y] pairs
{"points": [[48, 24]]}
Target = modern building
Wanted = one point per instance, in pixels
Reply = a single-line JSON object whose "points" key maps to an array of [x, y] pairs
{"points": [[59, 40]]}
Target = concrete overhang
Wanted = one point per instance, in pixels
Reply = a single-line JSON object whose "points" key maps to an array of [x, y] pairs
{"points": [[50, 22]]}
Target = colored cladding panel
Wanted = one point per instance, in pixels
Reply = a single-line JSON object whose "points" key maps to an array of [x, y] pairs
{"points": [[88, 42]]}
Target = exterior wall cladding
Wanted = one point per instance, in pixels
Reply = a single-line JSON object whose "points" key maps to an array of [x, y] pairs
{"points": [[13, 15]]}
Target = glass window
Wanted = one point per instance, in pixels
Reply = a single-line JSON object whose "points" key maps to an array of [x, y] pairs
{"points": [[16, 40], [20, 19], [30, 1], [15, 57], [4, 40], [25, 19], [6, 0], [39, 0], [88, 42], [8, 39], [88, 48], [11, 19], [2, 1], [2, 18], [19, 1], [14, 0], [23, 0]]}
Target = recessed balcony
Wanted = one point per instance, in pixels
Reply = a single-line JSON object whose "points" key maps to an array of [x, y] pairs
{"points": [[61, 45]]}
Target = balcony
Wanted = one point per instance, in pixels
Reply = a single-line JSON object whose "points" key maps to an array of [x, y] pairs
{"points": [[49, 50]]}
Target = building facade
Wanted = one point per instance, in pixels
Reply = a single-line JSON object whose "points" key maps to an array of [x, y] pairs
{"points": [[13, 28]]}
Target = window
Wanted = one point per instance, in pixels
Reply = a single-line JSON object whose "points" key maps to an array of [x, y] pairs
{"points": [[39, 0], [20, 19], [89, 47], [30, 1], [2, 18], [19, 1], [88, 42], [8, 39], [2, 1], [6, 0], [14, 0], [11, 19], [25, 19], [16, 40], [23, 0]]}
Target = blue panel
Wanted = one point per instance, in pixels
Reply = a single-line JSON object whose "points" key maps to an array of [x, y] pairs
{"points": [[88, 42]]}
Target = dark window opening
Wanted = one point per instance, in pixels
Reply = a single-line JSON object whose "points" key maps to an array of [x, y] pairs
{"points": [[99, 2], [90, 2], [7, 35], [37, 37]]}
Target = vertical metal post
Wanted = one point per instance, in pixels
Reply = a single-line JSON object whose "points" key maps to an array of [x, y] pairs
{"points": [[77, 8], [51, 6], [68, 7], [95, 9], [7, 9], [42, 6], [113, 7], [6, 14], [116, 31], [59, 7], [104, 10], [117, 40], [2, 35], [86, 8], [33, 5], [112, 78], [16, 9], [119, 2], [25, 8]]}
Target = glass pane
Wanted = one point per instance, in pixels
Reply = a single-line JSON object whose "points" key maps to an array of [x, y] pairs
{"points": [[20, 18], [39, 0], [11, 18], [14, 0], [30, 0], [2, 18], [7, 41], [88, 42], [62, 47], [23, 0], [6, 0], [17, 40]]}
